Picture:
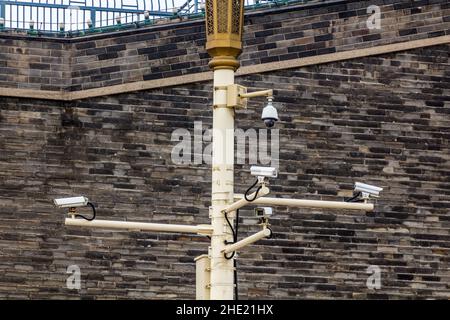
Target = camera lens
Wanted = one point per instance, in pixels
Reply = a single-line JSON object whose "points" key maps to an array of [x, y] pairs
{"points": [[269, 123]]}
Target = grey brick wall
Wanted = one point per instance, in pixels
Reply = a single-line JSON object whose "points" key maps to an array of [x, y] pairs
{"points": [[273, 35], [175, 49], [34, 64], [383, 120]]}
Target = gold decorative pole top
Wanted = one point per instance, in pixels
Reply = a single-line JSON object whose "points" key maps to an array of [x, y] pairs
{"points": [[224, 23]]}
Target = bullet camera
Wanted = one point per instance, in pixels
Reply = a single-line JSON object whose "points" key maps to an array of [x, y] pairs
{"points": [[263, 171], [263, 212], [367, 190], [72, 202], [269, 114]]}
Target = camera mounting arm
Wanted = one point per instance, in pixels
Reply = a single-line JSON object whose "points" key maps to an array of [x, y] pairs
{"points": [[263, 93], [301, 203], [264, 233], [243, 202], [141, 226], [237, 95]]}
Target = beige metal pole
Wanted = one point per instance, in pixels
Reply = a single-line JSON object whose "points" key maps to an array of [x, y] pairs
{"points": [[203, 277], [222, 271]]}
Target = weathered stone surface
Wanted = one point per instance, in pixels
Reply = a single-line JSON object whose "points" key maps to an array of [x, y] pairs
{"points": [[340, 122], [172, 50], [383, 120]]}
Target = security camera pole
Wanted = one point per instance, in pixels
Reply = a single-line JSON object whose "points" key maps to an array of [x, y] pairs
{"points": [[214, 272], [224, 28], [223, 34]]}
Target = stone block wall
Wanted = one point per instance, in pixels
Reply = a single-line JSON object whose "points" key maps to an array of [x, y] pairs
{"points": [[171, 50], [29, 63], [382, 120], [271, 35]]}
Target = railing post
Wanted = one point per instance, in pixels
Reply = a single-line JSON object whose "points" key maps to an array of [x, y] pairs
{"points": [[2, 10], [93, 18]]}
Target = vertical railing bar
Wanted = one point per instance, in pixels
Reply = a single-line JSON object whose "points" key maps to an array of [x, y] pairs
{"points": [[93, 18], [43, 17], [2, 10], [11, 16]]}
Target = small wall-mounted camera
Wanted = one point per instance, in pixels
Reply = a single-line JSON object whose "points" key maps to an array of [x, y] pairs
{"points": [[73, 202], [263, 172], [263, 212], [367, 190]]}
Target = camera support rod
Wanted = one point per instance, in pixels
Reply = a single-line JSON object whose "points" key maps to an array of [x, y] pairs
{"points": [[242, 202], [311, 203], [262, 93], [141, 226], [264, 233]]}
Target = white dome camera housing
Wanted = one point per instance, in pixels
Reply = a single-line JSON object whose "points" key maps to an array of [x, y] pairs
{"points": [[269, 114]]}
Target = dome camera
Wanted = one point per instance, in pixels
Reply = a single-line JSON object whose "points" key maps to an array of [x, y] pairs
{"points": [[269, 115]]}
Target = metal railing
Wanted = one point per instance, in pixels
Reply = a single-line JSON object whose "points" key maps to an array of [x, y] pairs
{"points": [[76, 17]]}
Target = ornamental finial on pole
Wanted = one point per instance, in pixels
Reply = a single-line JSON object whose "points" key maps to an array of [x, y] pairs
{"points": [[224, 23]]}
